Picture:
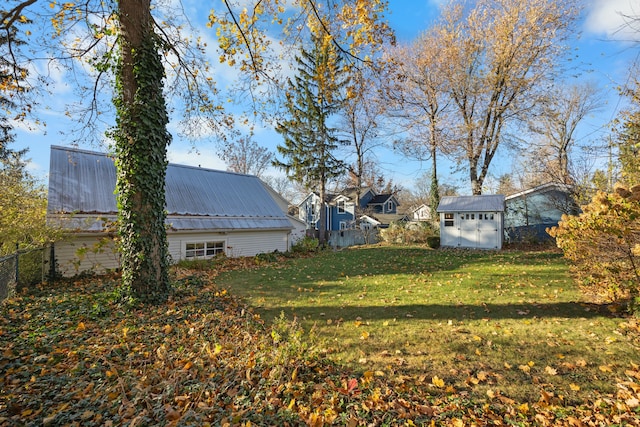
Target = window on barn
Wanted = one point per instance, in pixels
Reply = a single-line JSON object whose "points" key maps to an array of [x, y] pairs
{"points": [[203, 249]]}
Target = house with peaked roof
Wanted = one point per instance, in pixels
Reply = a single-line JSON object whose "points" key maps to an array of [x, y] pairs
{"points": [[209, 212], [376, 210], [421, 213], [475, 222], [529, 213]]}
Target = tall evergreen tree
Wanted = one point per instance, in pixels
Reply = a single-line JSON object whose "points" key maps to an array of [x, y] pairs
{"points": [[309, 140]]}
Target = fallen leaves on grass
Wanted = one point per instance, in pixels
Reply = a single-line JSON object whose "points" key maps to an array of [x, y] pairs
{"points": [[72, 356]]}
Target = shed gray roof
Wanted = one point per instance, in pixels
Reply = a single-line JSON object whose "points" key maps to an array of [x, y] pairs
{"points": [[484, 203], [83, 182]]}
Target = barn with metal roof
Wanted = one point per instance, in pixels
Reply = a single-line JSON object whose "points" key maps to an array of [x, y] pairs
{"points": [[208, 211], [472, 221]]}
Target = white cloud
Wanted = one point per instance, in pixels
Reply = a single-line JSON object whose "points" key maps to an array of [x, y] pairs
{"points": [[192, 157], [613, 18], [27, 126]]}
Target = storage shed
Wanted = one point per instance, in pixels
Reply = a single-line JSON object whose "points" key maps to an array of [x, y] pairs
{"points": [[472, 221]]}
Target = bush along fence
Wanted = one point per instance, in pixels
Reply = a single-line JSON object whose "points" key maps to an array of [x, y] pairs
{"points": [[23, 268]]}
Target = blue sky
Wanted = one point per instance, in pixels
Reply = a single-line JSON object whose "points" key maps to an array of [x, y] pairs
{"points": [[604, 54]]}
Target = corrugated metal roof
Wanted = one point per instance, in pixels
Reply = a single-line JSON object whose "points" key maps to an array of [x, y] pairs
{"points": [[83, 182], [483, 203]]}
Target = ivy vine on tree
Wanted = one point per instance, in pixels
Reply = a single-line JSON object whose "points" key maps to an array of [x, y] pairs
{"points": [[141, 157]]}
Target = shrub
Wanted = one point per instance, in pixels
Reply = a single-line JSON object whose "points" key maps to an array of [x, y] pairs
{"points": [[433, 242], [402, 233], [603, 243], [305, 245], [266, 257]]}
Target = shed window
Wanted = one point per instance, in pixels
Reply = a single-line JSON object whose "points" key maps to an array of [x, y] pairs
{"points": [[389, 206], [203, 249], [448, 220], [341, 207]]}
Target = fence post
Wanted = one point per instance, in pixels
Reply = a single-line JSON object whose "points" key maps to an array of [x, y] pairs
{"points": [[17, 264], [52, 263]]}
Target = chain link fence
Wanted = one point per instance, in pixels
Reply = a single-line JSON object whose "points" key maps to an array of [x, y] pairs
{"points": [[22, 269]]}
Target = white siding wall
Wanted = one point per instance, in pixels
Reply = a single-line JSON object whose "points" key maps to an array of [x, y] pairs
{"points": [[449, 236], [237, 244], [83, 254], [252, 243], [299, 231]]}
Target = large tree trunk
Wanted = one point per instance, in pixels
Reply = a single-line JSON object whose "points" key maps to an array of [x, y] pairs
{"points": [[141, 156], [433, 189]]}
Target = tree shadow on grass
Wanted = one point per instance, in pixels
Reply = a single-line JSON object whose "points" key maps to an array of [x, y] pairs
{"points": [[576, 310]]}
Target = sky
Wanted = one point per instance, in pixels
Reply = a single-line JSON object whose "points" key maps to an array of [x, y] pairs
{"points": [[604, 53]]}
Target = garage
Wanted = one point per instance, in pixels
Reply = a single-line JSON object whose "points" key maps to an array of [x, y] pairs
{"points": [[475, 222]]}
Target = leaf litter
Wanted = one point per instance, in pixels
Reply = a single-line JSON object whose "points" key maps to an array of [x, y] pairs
{"points": [[71, 355]]}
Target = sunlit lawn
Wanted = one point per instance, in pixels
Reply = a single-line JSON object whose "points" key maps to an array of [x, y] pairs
{"points": [[485, 323]]}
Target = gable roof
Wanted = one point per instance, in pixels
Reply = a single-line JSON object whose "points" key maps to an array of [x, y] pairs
{"points": [[381, 199], [483, 203], [544, 188], [83, 182], [422, 206]]}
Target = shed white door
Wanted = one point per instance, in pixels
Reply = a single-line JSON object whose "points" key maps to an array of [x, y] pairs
{"points": [[468, 230], [479, 230], [487, 231]]}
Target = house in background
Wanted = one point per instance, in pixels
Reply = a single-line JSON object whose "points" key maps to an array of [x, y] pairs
{"points": [[421, 213], [530, 212], [475, 222], [375, 210], [209, 212]]}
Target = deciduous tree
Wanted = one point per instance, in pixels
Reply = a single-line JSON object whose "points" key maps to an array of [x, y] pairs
{"points": [[360, 120], [418, 98], [23, 203], [497, 54], [244, 155], [560, 113]]}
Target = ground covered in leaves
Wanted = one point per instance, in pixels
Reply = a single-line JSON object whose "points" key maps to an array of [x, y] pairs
{"points": [[71, 355]]}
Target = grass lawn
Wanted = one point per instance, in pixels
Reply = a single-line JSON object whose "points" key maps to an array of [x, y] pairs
{"points": [[509, 323], [412, 336]]}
